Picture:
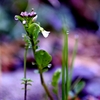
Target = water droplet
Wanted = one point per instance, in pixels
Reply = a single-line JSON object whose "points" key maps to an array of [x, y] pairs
{"points": [[15, 17], [36, 71], [23, 35], [33, 63], [29, 46], [67, 32], [59, 69], [32, 9], [49, 65], [24, 22]]}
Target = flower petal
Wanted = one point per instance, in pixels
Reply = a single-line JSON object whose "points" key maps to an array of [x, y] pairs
{"points": [[34, 18], [45, 33]]}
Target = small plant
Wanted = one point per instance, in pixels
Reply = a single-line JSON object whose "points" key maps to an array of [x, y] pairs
{"points": [[43, 58], [31, 39]]}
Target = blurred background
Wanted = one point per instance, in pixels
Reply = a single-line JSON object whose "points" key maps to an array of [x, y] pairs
{"points": [[81, 17]]}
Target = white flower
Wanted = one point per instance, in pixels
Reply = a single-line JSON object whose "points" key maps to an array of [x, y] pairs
{"points": [[44, 32], [34, 18]]}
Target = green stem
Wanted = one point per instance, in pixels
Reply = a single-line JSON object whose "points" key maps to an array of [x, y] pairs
{"points": [[63, 76], [73, 58], [58, 93], [66, 66], [25, 85], [41, 76], [44, 85], [65, 79]]}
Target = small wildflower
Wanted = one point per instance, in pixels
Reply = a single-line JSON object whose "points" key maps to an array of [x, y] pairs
{"points": [[30, 14], [44, 32], [24, 14], [34, 18]]}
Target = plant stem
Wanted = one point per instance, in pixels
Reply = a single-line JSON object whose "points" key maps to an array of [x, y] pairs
{"points": [[41, 75], [25, 85], [73, 58], [66, 66], [58, 93], [44, 85], [65, 78]]}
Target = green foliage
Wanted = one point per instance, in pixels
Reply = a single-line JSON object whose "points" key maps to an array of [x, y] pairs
{"points": [[76, 89], [55, 80], [79, 86], [17, 17], [42, 58], [33, 31], [26, 81]]}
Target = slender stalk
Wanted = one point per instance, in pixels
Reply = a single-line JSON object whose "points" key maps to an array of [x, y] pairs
{"points": [[66, 62], [65, 79], [41, 76], [63, 75], [73, 58], [44, 85], [58, 94], [25, 85]]}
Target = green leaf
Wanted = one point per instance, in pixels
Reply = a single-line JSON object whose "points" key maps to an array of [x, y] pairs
{"points": [[43, 58], [24, 79], [17, 17], [29, 80], [33, 31], [55, 78], [79, 86], [23, 83], [29, 84]]}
